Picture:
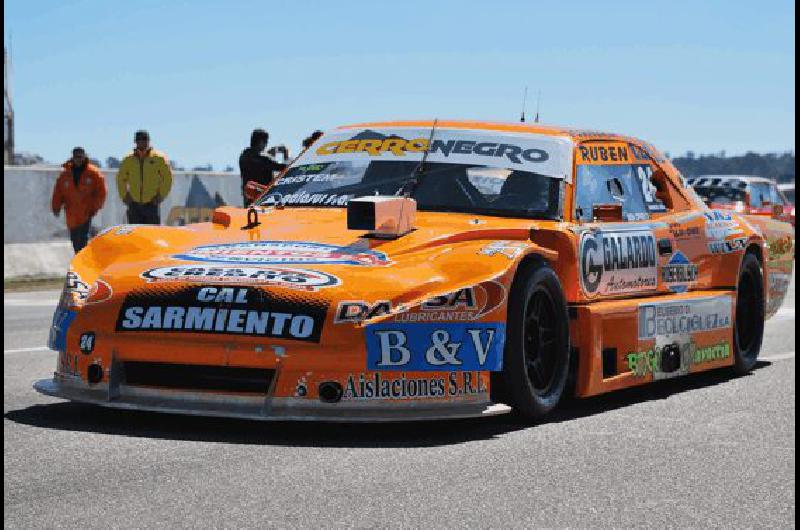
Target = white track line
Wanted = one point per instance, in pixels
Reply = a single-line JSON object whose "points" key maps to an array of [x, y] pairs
{"points": [[25, 350], [779, 357], [28, 302]]}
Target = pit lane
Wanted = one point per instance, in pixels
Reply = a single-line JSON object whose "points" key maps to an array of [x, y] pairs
{"points": [[707, 450]]}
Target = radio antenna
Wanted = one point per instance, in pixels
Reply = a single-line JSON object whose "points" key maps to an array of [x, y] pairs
{"points": [[524, 101], [538, 99], [417, 173]]}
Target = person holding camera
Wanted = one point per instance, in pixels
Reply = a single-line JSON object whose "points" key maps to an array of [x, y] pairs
{"points": [[257, 167]]}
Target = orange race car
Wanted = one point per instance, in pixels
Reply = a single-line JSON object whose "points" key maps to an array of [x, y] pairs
{"points": [[424, 269]]}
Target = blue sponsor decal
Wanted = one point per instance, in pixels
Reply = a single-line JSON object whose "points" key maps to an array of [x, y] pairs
{"points": [[62, 319], [285, 252], [717, 215], [441, 347], [678, 273]]}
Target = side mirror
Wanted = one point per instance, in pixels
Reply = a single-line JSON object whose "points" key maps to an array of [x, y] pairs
{"points": [[607, 212], [253, 190]]}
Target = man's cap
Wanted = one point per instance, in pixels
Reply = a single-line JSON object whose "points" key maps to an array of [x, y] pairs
{"points": [[141, 134], [78, 149]]}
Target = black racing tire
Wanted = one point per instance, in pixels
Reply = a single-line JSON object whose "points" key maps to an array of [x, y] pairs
{"points": [[537, 350], [748, 329]]}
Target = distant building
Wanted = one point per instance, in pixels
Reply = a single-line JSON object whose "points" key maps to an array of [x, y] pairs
{"points": [[8, 112], [24, 158]]}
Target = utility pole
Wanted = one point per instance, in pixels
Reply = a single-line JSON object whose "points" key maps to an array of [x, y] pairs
{"points": [[8, 111]]}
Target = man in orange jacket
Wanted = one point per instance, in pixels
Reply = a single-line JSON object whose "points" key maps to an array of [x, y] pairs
{"points": [[81, 190]]}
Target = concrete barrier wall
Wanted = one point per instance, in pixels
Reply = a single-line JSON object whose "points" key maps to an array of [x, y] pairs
{"points": [[27, 192]]}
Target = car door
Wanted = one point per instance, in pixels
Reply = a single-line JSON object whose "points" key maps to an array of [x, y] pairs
{"points": [[617, 257], [681, 225]]}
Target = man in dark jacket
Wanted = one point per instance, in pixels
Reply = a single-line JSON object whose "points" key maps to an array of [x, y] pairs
{"points": [[255, 166]]}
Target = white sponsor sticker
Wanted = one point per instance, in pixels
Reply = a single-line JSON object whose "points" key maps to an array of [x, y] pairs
{"points": [[684, 317], [724, 233], [293, 278], [509, 249], [542, 154], [285, 252], [618, 262]]}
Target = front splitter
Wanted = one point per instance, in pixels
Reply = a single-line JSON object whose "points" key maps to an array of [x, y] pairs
{"points": [[262, 408]]}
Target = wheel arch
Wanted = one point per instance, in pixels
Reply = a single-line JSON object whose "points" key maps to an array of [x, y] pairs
{"points": [[745, 357], [532, 260], [528, 261], [757, 250]]}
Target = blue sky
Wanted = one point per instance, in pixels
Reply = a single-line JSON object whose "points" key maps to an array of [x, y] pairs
{"points": [[200, 75]]}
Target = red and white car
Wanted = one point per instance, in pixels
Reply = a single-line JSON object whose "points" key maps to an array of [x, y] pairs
{"points": [[747, 194]]}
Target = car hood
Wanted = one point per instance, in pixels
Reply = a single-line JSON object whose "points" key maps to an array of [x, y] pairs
{"points": [[308, 250]]}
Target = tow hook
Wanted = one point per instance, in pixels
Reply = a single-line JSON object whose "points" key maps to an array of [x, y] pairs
{"points": [[252, 219]]}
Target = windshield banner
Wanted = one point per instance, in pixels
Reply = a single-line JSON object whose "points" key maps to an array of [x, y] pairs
{"points": [[545, 155]]}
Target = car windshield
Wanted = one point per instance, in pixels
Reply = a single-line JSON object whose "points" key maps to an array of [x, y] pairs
{"points": [[720, 194], [442, 187], [489, 172]]}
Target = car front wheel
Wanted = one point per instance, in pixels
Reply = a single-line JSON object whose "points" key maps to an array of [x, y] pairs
{"points": [[536, 357]]}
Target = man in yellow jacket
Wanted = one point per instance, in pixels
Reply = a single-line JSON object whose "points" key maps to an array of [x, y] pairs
{"points": [[143, 181]]}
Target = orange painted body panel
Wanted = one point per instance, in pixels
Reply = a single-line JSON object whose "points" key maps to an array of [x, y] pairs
{"points": [[412, 279]]}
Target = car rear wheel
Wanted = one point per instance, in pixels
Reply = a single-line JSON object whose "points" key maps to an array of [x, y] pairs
{"points": [[536, 357], [749, 323]]}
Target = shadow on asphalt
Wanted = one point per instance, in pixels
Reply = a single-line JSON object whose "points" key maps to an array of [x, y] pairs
{"points": [[67, 416]]}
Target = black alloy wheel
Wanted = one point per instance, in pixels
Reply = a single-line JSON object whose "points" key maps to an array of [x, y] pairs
{"points": [[750, 313], [536, 356], [541, 352]]}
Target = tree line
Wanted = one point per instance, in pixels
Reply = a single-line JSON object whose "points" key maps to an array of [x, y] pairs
{"points": [[776, 166]]}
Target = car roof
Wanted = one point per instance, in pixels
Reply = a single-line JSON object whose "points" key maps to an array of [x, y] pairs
{"points": [[786, 186], [743, 178], [576, 134]]}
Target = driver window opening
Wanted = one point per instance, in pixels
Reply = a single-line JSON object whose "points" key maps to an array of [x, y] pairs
{"points": [[605, 185]]}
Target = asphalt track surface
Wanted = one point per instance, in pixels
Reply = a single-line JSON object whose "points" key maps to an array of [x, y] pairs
{"points": [[706, 450]]}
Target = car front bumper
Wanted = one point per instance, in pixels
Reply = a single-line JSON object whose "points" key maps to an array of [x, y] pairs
{"points": [[260, 407]]}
